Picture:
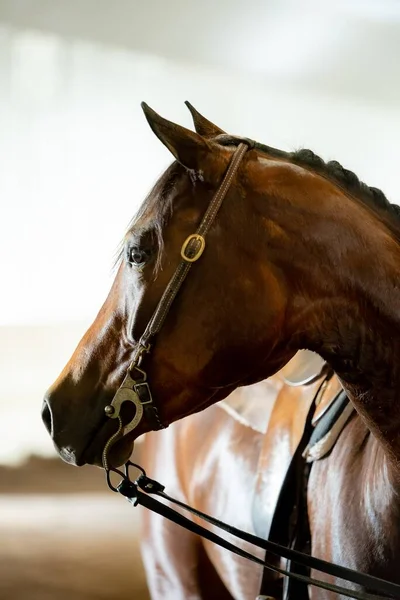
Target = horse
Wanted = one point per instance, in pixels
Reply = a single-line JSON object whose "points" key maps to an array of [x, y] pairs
{"points": [[240, 256]]}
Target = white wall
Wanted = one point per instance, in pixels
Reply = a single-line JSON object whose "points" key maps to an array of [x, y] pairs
{"points": [[77, 158]]}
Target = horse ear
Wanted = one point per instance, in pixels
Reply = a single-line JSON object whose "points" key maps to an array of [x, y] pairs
{"points": [[202, 125], [188, 147]]}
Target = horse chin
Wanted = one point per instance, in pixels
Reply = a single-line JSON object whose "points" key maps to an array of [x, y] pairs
{"points": [[117, 455], [120, 452]]}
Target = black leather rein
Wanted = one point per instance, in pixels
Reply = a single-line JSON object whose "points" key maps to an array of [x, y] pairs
{"points": [[137, 492]]}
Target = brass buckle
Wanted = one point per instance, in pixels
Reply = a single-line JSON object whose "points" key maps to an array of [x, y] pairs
{"points": [[198, 238]]}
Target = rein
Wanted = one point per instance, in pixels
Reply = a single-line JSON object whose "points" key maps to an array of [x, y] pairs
{"points": [[137, 492]]}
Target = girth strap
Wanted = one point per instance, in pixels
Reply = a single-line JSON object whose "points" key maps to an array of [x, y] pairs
{"points": [[290, 526]]}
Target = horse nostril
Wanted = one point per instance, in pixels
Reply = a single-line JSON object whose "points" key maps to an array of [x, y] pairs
{"points": [[47, 418]]}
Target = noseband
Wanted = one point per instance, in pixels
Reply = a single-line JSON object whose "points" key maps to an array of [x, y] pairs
{"points": [[135, 388]]}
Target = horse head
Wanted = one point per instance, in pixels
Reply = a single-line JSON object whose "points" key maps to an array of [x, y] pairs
{"points": [[228, 269]]}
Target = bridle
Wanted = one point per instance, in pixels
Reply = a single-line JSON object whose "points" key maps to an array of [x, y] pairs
{"points": [[135, 387]]}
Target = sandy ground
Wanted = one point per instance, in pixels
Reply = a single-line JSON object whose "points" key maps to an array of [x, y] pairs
{"points": [[83, 547], [63, 535]]}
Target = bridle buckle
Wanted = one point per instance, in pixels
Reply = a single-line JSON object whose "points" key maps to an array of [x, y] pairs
{"points": [[200, 240]]}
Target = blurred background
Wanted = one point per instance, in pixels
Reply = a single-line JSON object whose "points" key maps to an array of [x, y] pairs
{"points": [[76, 160]]}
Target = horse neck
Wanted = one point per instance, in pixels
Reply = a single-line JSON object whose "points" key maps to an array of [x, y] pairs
{"points": [[344, 304], [364, 351]]}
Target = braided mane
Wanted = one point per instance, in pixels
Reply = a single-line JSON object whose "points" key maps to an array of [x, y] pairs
{"points": [[348, 180], [156, 206]]}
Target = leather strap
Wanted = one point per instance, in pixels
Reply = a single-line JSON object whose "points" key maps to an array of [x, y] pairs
{"points": [[192, 250]]}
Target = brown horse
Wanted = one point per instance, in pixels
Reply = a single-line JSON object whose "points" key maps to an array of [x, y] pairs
{"points": [[300, 255]]}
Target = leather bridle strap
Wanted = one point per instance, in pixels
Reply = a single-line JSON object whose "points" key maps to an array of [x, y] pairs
{"points": [[192, 249], [135, 388]]}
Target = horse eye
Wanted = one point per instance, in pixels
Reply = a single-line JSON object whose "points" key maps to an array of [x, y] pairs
{"points": [[138, 257]]}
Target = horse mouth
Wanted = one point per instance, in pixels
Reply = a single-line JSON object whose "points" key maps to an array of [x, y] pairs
{"points": [[119, 450]]}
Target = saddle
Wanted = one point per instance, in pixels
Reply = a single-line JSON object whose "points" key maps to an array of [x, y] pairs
{"points": [[304, 368], [304, 378], [333, 407], [253, 405]]}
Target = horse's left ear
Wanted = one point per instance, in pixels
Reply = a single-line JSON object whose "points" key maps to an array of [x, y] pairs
{"points": [[188, 147]]}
